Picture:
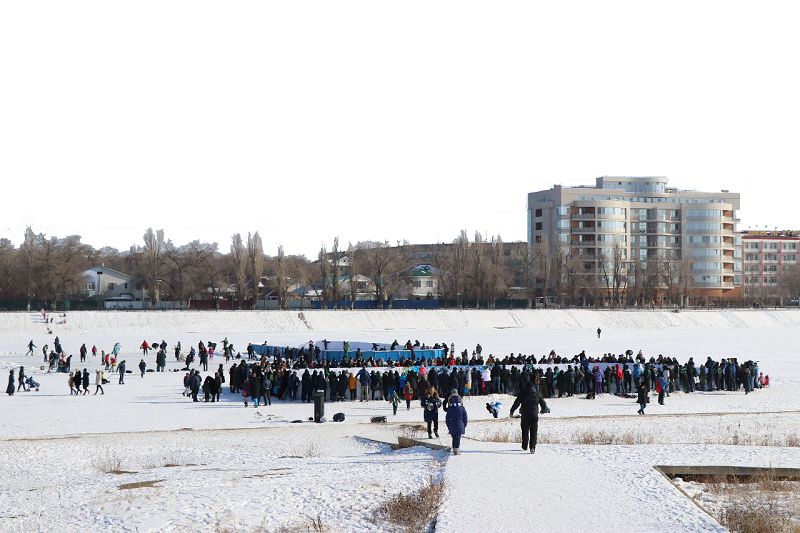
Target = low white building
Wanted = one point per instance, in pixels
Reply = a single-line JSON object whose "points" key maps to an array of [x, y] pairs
{"points": [[111, 285], [424, 282]]}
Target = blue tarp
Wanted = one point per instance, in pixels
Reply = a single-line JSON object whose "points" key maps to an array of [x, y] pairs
{"points": [[337, 354]]}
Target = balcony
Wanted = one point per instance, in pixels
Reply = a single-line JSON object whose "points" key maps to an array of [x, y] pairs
{"points": [[704, 245], [584, 216], [584, 230], [583, 244], [704, 218]]}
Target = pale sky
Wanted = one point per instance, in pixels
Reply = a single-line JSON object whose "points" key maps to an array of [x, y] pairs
{"points": [[382, 121]]}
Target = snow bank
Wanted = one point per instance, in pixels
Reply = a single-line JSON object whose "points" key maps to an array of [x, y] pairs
{"points": [[158, 323]]}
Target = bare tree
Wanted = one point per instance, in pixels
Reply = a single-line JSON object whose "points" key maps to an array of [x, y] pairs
{"points": [[476, 271], [670, 278], [188, 263], [28, 252], [685, 280], [497, 274], [379, 261], [239, 268], [154, 246], [214, 276], [324, 274], [354, 255], [280, 278], [69, 262], [573, 270], [336, 274], [460, 258], [255, 263], [8, 269], [542, 262]]}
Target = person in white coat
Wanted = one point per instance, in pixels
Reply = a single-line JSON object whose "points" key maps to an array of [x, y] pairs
{"points": [[98, 382]]}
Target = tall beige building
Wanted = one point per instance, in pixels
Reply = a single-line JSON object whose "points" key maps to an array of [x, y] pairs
{"points": [[650, 221]]}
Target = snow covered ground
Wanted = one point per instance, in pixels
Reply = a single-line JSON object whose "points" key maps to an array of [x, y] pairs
{"points": [[238, 467]]}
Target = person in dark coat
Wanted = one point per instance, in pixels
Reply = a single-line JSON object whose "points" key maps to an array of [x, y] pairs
{"points": [[528, 401], [642, 397], [10, 389], [305, 386], [430, 405], [333, 385], [143, 367], [233, 374], [207, 388], [216, 385], [85, 381], [194, 383], [121, 371], [21, 379], [456, 420]]}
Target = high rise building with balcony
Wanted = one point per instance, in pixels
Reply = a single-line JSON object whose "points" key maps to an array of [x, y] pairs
{"points": [[651, 222]]}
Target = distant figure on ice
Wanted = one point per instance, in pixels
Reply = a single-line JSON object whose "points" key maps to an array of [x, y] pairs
{"points": [[598, 332], [10, 389], [31, 346]]}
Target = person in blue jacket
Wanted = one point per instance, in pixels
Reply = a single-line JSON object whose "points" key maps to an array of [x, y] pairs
{"points": [[456, 419]]}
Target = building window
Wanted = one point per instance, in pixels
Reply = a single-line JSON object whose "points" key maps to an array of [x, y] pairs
{"points": [[429, 283], [89, 286], [538, 213], [538, 226], [111, 286], [417, 284]]}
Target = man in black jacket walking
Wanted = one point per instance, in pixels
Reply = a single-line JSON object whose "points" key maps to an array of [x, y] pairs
{"points": [[528, 402]]}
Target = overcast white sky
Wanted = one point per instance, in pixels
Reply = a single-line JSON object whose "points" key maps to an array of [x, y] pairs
{"points": [[373, 120]]}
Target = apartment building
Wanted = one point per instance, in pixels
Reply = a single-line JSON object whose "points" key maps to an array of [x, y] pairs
{"points": [[650, 221], [768, 255]]}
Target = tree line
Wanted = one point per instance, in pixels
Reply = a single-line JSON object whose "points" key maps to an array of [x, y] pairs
{"points": [[47, 270], [468, 272]]}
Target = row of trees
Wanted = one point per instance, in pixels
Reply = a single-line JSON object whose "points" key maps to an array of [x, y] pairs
{"points": [[45, 270], [477, 272]]}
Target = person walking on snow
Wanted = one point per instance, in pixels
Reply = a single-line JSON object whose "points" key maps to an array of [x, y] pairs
{"points": [[98, 382], [10, 389], [529, 401], [145, 347], [642, 397], [431, 404], [142, 367], [598, 332], [21, 379], [121, 370], [456, 420], [31, 346]]}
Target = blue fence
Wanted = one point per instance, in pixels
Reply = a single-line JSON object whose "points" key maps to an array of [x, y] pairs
{"points": [[338, 355], [373, 304]]}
